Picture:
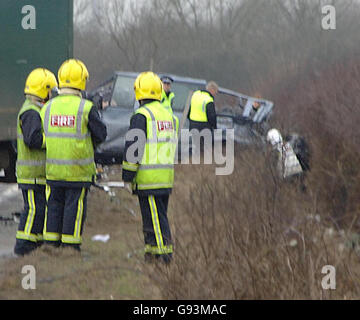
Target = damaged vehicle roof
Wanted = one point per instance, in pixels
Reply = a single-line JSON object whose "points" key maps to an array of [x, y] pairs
{"points": [[117, 105]]}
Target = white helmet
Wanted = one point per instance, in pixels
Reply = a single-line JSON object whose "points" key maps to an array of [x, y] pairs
{"points": [[274, 137]]}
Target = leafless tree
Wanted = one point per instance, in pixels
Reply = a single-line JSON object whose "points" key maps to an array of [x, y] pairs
{"points": [[238, 42]]}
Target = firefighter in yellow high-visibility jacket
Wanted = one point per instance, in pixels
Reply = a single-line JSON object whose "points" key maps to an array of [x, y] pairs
{"points": [[30, 164], [72, 126], [149, 164]]}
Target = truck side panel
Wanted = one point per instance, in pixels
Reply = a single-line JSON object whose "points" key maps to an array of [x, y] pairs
{"points": [[22, 49], [35, 33]]}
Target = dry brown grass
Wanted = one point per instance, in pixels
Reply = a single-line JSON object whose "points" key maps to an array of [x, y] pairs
{"points": [[245, 236], [248, 237]]}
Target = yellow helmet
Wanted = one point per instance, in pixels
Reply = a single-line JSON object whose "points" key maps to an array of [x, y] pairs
{"points": [[73, 74], [39, 83], [148, 86]]}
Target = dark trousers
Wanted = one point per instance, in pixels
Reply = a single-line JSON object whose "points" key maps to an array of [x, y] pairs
{"points": [[198, 139], [199, 125], [65, 215], [30, 230], [157, 235]]}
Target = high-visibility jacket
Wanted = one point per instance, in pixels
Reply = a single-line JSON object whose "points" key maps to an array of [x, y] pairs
{"points": [[30, 164], [156, 168], [167, 101], [69, 148], [199, 101]]}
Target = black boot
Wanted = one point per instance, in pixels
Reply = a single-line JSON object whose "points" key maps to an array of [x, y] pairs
{"points": [[165, 258], [71, 245], [23, 247]]}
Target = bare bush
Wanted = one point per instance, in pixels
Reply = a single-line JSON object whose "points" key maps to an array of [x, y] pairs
{"points": [[249, 236]]}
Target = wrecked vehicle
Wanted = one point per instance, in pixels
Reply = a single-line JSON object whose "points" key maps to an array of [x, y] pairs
{"points": [[116, 100]]}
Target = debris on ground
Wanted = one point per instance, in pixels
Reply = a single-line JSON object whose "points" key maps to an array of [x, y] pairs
{"points": [[101, 237]]}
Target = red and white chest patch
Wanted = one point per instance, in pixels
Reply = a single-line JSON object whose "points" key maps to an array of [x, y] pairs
{"points": [[62, 121], [165, 125]]}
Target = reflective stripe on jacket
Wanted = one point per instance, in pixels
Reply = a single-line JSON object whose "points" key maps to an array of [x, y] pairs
{"points": [[30, 164]]}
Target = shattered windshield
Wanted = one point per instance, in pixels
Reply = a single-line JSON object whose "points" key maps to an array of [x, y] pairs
{"points": [[123, 95]]}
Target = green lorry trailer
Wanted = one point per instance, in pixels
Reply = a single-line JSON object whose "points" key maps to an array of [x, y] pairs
{"points": [[35, 33]]}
